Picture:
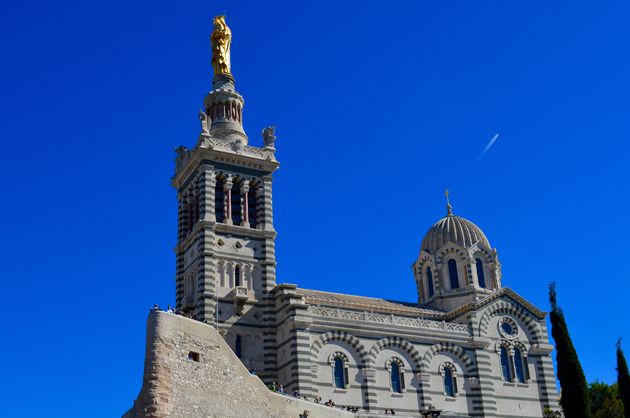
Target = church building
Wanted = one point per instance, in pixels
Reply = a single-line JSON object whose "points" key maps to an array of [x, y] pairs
{"points": [[469, 346]]}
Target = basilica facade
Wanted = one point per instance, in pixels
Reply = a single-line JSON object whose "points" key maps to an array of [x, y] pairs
{"points": [[467, 347]]}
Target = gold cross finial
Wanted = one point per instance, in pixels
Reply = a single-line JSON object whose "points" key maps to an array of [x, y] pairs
{"points": [[449, 208]]}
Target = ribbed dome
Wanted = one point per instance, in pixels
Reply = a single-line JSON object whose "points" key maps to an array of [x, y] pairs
{"points": [[456, 230]]}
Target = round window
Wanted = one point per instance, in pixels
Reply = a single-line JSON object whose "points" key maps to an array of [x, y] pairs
{"points": [[507, 327]]}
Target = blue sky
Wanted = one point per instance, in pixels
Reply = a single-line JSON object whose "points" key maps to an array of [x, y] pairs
{"points": [[378, 108]]}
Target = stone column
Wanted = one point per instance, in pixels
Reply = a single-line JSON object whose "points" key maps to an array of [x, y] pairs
{"points": [[260, 202], [248, 274], [525, 366], [245, 204], [267, 206], [227, 196], [229, 274], [221, 273], [206, 194], [512, 365]]}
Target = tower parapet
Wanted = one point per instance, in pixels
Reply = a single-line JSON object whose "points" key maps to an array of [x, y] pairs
{"points": [[224, 109]]}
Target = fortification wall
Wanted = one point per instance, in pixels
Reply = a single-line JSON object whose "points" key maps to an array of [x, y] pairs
{"points": [[216, 384]]}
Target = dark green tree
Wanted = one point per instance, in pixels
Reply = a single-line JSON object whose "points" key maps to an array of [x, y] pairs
{"points": [[623, 379], [575, 400], [605, 402]]}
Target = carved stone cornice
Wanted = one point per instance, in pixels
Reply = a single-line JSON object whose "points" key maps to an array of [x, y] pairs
{"points": [[217, 150], [506, 291], [387, 320]]}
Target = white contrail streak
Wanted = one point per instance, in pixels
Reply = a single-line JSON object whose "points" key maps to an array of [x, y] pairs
{"points": [[492, 141]]}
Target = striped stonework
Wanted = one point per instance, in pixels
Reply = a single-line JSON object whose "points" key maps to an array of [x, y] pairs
{"points": [[486, 404], [395, 342], [206, 277], [268, 266], [508, 307], [346, 337], [449, 348]]}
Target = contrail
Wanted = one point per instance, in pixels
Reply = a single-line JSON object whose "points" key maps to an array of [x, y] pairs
{"points": [[492, 141]]}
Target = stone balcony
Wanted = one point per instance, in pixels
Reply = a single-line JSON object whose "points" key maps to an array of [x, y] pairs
{"points": [[239, 295]]}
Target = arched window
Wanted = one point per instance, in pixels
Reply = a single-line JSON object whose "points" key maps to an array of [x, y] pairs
{"points": [[505, 365], [430, 282], [397, 378], [481, 278], [237, 276], [449, 382], [452, 273], [219, 211], [339, 373], [237, 217], [189, 285], [252, 204], [519, 365], [237, 346]]}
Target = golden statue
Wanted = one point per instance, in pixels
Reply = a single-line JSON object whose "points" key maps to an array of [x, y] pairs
{"points": [[221, 39]]}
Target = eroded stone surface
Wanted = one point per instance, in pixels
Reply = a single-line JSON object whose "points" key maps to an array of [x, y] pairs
{"points": [[218, 385]]}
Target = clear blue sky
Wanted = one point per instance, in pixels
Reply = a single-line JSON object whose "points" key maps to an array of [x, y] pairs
{"points": [[377, 109]]}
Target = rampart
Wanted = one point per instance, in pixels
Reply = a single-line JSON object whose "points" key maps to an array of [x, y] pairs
{"points": [[190, 372]]}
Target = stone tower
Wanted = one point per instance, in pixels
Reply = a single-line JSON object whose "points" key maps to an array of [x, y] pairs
{"points": [[226, 264]]}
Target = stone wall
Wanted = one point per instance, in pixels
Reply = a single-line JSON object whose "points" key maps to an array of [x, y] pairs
{"points": [[175, 384]]}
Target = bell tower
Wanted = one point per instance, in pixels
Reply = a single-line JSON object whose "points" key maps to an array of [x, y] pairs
{"points": [[225, 252]]}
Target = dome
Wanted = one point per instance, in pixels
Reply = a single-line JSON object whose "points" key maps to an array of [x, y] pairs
{"points": [[453, 229]]}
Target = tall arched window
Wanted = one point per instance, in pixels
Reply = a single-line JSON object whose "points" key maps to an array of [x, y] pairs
{"points": [[430, 282], [252, 206], [519, 366], [505, 365], [237, 346], [219, 211], [452, 273], [396, 378], [339, 373], [237, 276], [449, 382], [237, 216], [481, 277]]}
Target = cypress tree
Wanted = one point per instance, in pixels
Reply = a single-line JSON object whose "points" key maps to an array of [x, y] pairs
{"points": [[623, 379], [575, 399]]}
